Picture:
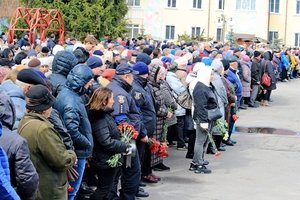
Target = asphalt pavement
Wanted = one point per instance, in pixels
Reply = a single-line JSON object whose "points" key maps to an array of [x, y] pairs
{"points": [[258, 167]]}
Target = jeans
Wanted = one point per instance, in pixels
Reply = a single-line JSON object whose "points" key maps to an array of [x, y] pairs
{"points": [[253, 94], [200, 145], [105, 181], [76, 184]]}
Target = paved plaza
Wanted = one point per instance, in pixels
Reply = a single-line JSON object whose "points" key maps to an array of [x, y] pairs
{"points": [[259, 167]]}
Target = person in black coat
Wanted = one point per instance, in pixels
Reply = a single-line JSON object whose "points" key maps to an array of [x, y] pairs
{"points": [[268, 67], [204, 99], [107, 140]]}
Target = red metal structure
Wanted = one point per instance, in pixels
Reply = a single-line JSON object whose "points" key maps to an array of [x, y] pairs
{"points": [[37, 19]]}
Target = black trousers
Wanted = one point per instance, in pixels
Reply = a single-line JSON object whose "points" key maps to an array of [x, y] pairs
{"points": [[267, 95], [105, 181]]}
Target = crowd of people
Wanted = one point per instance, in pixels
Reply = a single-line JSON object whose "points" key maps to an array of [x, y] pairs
{"points": [[62, 107]]}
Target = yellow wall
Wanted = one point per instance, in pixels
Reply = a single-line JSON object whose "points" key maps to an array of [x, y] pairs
{"points": [[155, 15]]}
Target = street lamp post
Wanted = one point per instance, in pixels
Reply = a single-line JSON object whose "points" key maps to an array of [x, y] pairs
{"points": [[222, 22]]}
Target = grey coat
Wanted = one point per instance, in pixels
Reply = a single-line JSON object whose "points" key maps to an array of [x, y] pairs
{"points": [[177, 88], [246, 79]]}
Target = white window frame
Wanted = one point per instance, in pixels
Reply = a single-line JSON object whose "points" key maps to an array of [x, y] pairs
{"points": [[197, 4], [297, 9], [297, 40], [245, 5], [195, 31], [273, 35], [171, 3], [222, 3], [274, 6], [169, 34], [134, 3], [132, 28]]}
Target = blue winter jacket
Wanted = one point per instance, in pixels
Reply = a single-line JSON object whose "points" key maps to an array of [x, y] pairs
{"points": [[141, 93], [285, 63], [73, 112], [63, 63], [237, 84], [18, 98], [125, 109], [7, 192]]}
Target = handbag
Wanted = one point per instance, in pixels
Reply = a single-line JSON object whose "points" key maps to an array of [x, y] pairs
{"points": [[266, 79], [72, 174], [214, 114], [184, 100]]}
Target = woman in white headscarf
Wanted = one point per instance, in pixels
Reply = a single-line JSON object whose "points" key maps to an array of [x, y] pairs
{"points": [[204, 99]]}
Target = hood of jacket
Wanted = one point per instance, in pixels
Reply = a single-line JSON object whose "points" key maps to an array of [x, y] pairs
{"points": [[204, 74], [153, 73], [79, 76], [12, 89], [7, 110], [267, 55], [63, 62]]}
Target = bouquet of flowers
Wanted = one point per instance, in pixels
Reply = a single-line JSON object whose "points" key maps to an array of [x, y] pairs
{"points": [[157, 147], [222, 127], [128, 133]]}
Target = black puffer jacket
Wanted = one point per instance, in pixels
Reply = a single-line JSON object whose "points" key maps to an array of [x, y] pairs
{"points": [[63, 63], [106, 137]]}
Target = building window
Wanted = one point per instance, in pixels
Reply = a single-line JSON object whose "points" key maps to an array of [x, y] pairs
{"points": [[170, 32], [133, 30], [171, 3], [221, 4], [297, 39], [133, 2], [245, 4], [274, 6], [273, 35], [195, 32], [197, 4], [298, 7], [219, 34]]}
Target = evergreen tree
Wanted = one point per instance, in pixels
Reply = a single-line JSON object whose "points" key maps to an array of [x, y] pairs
{"points": [[97, 17]]}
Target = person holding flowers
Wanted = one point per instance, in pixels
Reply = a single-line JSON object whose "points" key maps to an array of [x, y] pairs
{"points": [[125, 110], [204, 100], [107, 140]]}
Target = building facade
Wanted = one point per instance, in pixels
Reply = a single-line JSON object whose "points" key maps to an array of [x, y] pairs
{"points": [[166, 19]]}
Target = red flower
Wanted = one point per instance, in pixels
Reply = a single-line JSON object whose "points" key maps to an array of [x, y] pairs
{"points": [[163, 154], [70, 189], [235, 117], [128, 132], [217, 154]]}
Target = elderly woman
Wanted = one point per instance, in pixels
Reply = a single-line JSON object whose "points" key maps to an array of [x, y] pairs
{"points": [[222, 100], [47, 150], [204, 100], [155, 78]]}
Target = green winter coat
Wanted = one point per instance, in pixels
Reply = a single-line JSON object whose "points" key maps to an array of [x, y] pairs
{"points": [[49, 156]]}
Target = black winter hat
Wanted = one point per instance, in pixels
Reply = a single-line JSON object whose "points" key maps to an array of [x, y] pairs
{"points": [[143, 57], [39, 98], [81, 54], [256, 54], [226, 64], [30, 76]]}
